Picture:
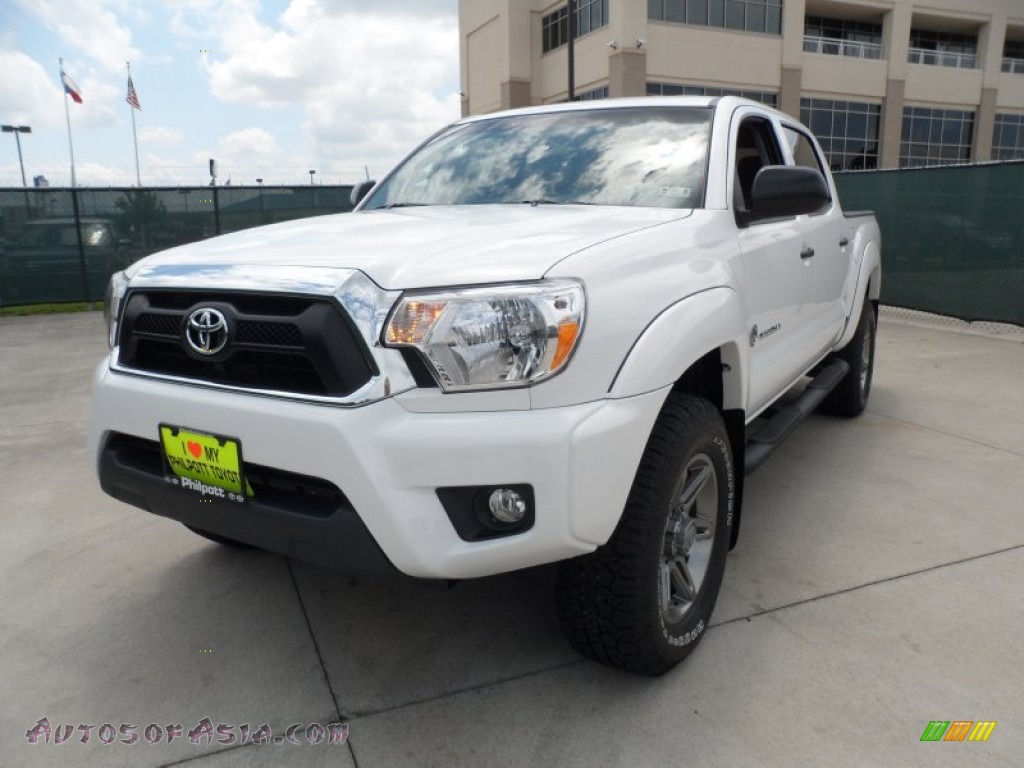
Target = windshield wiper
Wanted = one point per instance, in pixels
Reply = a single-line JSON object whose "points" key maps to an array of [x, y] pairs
{"points": [[401, 205], [545, 201]]}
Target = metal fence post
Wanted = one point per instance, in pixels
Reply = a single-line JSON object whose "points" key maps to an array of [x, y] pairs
{"points": [[216, 211], [81, 245]]}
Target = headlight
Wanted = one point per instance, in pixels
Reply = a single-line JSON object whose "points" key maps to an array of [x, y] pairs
{"points": [[112, 305], [499, 336]]}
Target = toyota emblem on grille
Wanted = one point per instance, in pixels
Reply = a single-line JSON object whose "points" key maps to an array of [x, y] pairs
{"points": [[207, 331]]}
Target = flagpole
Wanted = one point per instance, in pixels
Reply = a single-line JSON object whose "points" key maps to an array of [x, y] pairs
{"points": [[67, 116], [135, 138]]}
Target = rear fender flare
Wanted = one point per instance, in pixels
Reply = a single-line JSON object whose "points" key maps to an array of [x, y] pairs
{"points": [[868, 288]]}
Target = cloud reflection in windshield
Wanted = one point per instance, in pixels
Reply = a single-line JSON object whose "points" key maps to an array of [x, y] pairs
{"points": [[644, 156]]}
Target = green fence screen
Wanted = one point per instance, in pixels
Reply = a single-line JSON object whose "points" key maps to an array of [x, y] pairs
{"points": [[952, 238], [59, 246]]}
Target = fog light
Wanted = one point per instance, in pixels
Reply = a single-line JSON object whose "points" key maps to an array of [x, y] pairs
{"points": [[481, 512], [507, 505]]}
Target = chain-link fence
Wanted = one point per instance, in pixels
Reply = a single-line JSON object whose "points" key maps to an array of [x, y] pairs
{"points": [[952, 238], [59, 245]]}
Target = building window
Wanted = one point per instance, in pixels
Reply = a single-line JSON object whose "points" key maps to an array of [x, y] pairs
{"points": [[590, 15], [1008, 137], [837, 37], [764, 16], [936, 137], [803, 149], [593, 94], [943, 49], [846, 130], [670, 89], [554, 28], [1013, 57]]}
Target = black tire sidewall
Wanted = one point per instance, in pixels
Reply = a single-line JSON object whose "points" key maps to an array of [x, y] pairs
{"points": [[678, 639], [849, 398], [866, 334], [609, 601]]}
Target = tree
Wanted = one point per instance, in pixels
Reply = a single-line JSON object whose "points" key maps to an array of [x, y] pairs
{"points": [[142, 212]]}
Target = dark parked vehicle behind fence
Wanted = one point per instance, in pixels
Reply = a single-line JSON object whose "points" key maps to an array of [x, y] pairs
{"points": [[47, 257], [42, 258]]}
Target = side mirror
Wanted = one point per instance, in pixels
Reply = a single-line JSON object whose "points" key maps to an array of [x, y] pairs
{"points": [[787, 190], [360, 190]]}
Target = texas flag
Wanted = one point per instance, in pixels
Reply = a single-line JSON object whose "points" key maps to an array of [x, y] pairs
{"points": [[71, 87]]}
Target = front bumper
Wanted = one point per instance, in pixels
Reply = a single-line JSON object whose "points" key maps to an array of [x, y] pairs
{"points": [[388, 463]]}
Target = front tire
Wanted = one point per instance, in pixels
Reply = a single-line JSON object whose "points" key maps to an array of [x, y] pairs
{"points": [[643, 601]]}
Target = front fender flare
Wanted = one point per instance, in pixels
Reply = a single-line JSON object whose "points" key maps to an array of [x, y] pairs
{"points": [[682, 334]]}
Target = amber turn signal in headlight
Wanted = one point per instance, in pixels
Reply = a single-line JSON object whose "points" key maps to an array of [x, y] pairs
{"points": [[497, 336]]}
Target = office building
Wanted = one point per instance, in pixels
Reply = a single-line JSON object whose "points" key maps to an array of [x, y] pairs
{"points": [[882, 83]]}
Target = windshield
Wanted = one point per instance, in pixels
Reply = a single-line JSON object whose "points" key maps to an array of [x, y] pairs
{"points": [[644, 156]]}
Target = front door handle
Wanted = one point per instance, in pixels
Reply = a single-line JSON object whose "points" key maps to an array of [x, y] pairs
{"points": [[807, 253], [844, 242]]}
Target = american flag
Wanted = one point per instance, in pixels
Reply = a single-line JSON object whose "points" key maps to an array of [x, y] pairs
{"points": [[132, 97]]}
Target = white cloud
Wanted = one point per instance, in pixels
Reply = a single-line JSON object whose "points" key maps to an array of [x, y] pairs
{"points": [[101, 175], [87, 174], [343, 84], [96, 46], [159, 134], [161, 171], [393, 7], [98, 99], [28, 92], [245, 142], [370, 83], [88, 26]]}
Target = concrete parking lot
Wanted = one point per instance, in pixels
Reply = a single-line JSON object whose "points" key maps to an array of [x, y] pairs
{"points": [[876, 587]]}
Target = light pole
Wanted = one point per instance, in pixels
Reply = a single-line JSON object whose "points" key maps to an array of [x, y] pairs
{"points": [[263, 216], [17, 129], [311, 172], [571, 49]]}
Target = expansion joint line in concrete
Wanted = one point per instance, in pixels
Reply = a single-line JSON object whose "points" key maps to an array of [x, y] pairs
{"points": [[466, 689], [336, 715], [320, 657], [897, 577], [943, 432]]}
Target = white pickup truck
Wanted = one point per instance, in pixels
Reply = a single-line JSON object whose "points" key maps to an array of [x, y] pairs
{"points": [[553, 334]]}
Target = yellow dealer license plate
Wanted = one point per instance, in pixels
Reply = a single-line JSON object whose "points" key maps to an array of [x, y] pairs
{"points": [[209, 465]]}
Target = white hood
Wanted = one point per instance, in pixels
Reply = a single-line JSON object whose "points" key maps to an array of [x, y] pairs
{"points": [[426, 246]]}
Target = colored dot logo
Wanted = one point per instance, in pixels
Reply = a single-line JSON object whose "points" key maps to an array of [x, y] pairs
{"points": [[206, 650], [206, 50]]}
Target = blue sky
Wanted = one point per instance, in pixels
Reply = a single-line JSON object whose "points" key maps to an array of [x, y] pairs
{"points": [[271, 89]]}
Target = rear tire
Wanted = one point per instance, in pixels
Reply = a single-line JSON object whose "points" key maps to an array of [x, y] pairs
{"points": [[850, 397], [220, 539], [643, 601]]}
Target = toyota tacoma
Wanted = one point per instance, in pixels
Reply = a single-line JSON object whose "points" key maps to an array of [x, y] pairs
{"points": [[562, 333]]}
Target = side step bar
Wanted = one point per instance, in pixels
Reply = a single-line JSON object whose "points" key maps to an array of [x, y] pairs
{"points": [[779, 426]]}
